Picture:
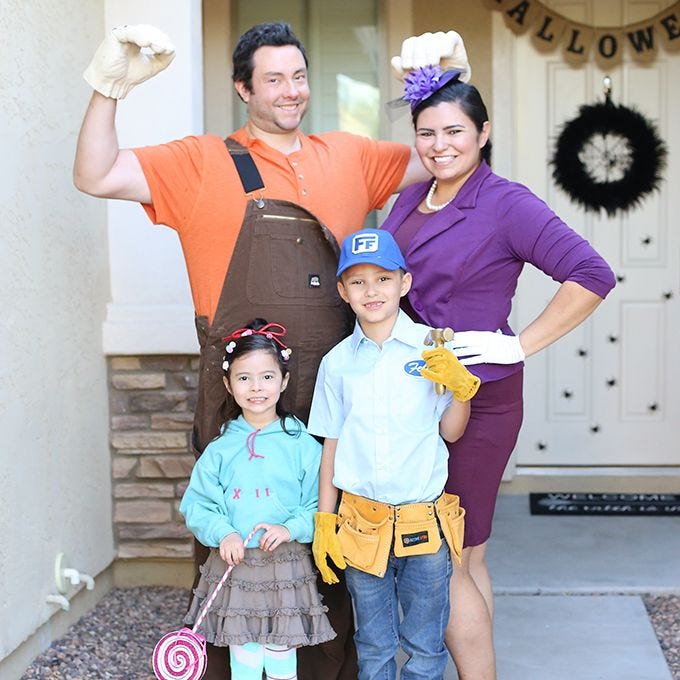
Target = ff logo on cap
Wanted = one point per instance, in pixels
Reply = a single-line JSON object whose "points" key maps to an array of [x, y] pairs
{"points": [[364, 243], [370, 246]]}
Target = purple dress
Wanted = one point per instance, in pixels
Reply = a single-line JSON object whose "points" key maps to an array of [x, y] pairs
{"points": [[465, 261]]}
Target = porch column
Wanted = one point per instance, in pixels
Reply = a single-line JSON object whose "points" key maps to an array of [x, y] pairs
{"points": [[151, 311]]}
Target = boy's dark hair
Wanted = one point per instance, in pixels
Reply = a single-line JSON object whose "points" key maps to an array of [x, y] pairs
{"points": [[251, 343], [276, 34], [470, 101]]}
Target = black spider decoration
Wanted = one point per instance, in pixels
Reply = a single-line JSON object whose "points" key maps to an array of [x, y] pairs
{"points": [[609, 156]]}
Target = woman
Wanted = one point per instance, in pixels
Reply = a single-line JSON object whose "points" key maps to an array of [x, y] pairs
{"points": [[466, 236]]}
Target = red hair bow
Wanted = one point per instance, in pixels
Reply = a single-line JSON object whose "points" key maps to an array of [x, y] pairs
{"points": [[272, 331]]}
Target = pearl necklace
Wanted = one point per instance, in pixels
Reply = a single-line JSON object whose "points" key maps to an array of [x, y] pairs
{"points": [[428, 199]]}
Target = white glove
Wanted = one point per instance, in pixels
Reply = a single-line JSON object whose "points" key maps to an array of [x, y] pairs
{"points": [[119, 63], [487, 347], [445, 49]]}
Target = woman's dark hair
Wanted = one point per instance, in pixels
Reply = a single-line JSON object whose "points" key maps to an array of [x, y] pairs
{"points": [[245, 345], [470, 101], [275, 34]]}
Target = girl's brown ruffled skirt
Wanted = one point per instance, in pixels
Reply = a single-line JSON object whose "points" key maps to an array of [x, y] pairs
{"points": [[270, 597]]}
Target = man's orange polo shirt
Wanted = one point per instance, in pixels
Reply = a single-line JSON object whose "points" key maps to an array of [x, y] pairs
{"points": [[195, 189]]}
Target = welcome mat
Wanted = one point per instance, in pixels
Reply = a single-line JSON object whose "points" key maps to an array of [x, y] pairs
{"points": [[605, 504]]}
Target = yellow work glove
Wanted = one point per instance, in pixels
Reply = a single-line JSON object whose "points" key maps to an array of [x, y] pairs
{"points": [[442, 366], [326, 544]]}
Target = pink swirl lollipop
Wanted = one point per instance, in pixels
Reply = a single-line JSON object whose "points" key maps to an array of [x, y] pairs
{"points": [[180, 654]]}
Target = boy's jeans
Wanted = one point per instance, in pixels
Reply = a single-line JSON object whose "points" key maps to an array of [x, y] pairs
{"points": [[420, 584]]}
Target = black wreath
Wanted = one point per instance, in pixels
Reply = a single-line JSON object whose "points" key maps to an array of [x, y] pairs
{"points": [[646, 158]]}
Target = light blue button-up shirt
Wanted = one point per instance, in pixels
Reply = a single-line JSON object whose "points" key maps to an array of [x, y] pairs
{"points": [[385, 416]]}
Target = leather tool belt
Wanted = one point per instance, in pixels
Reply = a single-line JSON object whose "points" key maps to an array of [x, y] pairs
{"points": [[368, 530]]}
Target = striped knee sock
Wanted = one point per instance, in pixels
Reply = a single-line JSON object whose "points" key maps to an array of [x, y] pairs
{"points": [[246, 661], [280, 662]]}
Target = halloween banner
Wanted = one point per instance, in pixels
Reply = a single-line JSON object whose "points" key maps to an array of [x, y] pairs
{"points": [[580, 42]]}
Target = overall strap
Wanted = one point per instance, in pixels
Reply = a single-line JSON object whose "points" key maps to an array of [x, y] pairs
{"points": [[245, 166]]}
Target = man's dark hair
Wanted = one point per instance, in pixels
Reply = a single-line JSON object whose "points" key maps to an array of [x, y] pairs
{"points": [[276, 34]]}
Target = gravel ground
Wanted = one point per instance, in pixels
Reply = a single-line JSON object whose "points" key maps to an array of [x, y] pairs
{"points": [[664, 612], [116, 639]]}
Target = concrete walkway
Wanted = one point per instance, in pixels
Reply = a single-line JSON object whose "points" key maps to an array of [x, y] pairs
{"points": [[567, 593]]}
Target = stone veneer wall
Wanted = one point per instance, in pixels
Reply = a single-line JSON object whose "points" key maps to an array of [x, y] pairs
{"points": [[152, 400]]}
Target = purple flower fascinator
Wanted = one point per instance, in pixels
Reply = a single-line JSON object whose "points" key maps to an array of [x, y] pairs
{"points": [[425, 81]]}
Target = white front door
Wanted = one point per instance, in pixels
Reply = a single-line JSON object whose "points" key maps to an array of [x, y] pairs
{"points": [[608, 393]]}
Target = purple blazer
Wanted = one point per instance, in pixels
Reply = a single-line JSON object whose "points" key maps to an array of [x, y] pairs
{"points": [[466, 258]]}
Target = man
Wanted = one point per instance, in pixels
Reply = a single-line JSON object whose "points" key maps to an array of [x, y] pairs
{"points": [[259, 216]]}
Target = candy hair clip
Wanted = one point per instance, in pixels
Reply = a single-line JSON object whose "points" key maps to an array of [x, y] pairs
{"points": [[228, 350]]}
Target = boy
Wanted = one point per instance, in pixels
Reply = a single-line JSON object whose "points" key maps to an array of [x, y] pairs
{"points": [[382, 420]]}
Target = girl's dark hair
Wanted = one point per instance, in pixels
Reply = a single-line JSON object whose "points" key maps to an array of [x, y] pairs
{"points": [[470, 101], [276, 34], [251, 343]]}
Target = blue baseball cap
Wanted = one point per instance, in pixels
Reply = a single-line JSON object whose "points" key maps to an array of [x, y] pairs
{"points": [[371, 246]]}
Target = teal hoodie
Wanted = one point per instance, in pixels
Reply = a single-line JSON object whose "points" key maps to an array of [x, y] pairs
{"points": [[246, 476]]}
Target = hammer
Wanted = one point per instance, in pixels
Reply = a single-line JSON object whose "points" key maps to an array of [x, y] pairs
{"points": [[437, 337]]}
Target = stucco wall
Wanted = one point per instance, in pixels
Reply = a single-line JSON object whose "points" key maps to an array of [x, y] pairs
{"points": [[55, 486]]}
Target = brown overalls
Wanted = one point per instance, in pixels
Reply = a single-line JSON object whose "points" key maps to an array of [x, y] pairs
{"points": [[282, 270]]}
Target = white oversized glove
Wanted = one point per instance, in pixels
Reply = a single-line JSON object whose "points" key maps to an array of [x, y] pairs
{"points": [[445, 49], [487, 347], [119, 63]]}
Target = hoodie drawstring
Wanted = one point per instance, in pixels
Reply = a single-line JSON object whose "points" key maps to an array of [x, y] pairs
{"points": [[250, 445]]}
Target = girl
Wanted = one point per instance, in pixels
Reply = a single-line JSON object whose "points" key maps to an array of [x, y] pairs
{"points": [[261, 472]]}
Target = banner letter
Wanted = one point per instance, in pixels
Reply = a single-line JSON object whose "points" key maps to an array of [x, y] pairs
{"points": [[607, 46], [670, 28], [641, 42]]}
